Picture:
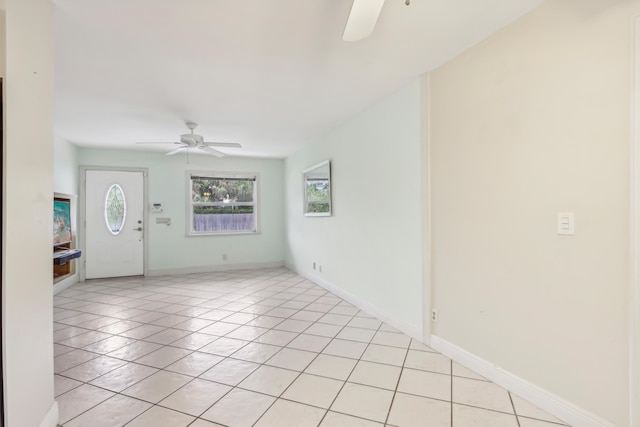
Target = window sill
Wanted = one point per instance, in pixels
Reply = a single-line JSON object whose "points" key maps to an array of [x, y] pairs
{"points": [[223, 233]]}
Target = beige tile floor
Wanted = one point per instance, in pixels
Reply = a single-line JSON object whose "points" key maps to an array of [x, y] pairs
{"points": [[254, 348]]}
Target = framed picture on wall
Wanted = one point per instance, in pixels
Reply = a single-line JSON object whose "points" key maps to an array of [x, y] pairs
{"points": [[317, 189]]}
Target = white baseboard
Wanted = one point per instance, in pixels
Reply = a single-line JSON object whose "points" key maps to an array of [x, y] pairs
{"points": [[215, 268], [410, 330], [51, 419], [64, 284], [554, 405]]}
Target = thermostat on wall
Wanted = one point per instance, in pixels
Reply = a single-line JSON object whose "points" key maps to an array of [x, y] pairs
{"points": [[156, 208]]}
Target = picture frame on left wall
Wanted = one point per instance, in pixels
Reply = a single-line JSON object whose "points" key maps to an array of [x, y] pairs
{"points": [[61, 221]]}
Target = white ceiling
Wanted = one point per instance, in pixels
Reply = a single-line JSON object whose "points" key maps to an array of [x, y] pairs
{"points": [[272, 75]]}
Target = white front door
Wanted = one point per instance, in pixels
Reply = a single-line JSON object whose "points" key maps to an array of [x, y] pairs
{"points": [[114, 223]]}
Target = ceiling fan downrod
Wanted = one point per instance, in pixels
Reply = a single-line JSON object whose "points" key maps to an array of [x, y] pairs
{"points": [[192, 126]]}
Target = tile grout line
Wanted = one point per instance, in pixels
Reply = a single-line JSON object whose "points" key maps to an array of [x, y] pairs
{"points": [[395, 390], [513, 406], [451, 393]]}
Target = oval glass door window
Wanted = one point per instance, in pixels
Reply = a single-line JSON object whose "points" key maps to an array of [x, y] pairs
{"points": [[115, 209]]}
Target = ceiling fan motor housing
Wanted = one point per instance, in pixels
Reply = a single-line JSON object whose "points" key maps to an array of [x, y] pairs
{"points": [[191, 139]]}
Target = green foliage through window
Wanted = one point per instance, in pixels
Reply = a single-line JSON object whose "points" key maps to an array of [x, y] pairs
{"points": [[223, 205], [318, 196], [210, 210], [317, 190], [208, 190], [314, 207]]}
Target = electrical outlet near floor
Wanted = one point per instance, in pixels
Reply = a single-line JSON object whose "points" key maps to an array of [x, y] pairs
{"points": [[314, 265], [224, 257], [434, 315]]}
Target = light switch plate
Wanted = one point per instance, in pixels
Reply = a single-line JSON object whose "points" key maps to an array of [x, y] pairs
{"points": [[566, 223], [163, 221]]}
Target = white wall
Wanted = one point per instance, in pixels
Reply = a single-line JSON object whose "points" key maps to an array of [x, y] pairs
{"points": [[170, 250], [371, 246], [27, 203], [531, 122]]}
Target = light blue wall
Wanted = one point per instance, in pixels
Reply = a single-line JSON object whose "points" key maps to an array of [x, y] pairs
{"points": [[170, 250], [65, 169], [371, 248]]}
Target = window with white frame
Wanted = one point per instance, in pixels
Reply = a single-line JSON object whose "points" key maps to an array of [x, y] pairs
{"points": [[223, 203]]}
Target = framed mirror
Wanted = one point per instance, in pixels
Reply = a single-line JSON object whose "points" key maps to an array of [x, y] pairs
{"points": [[317, 189]]}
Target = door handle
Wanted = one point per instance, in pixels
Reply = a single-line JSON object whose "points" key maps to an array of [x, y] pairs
{"points": [[137, 229]]}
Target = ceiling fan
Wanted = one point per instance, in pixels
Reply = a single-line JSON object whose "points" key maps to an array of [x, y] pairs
{"points": [[362, 19], [195, 141]]}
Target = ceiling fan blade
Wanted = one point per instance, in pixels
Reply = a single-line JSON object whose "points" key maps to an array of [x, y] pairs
{"points": [[177, 150], [211, 151], [362, 19], [194, 140], [224, 144]]}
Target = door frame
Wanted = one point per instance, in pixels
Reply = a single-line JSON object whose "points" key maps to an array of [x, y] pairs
{"points": [[425, 204], [82, 229], [634, 205]]}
